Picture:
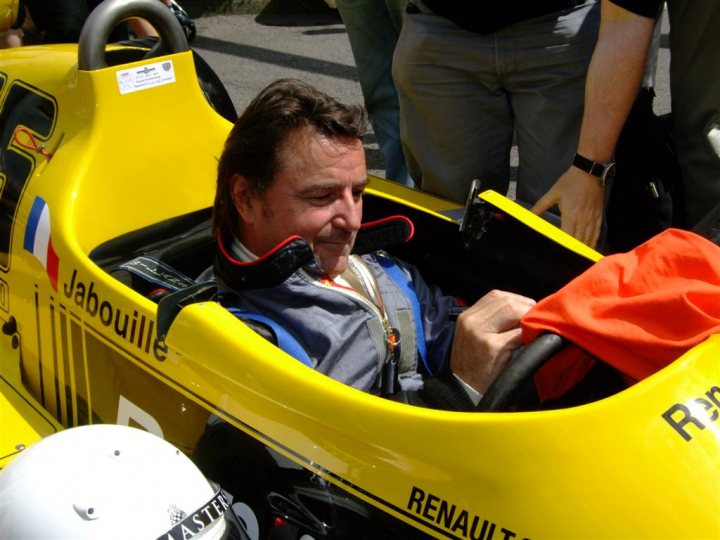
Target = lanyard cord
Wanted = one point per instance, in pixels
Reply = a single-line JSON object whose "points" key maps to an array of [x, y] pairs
{"points": [[33, 144]]}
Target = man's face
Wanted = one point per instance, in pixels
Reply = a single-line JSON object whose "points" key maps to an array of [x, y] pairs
{"points": [[317, 195]]}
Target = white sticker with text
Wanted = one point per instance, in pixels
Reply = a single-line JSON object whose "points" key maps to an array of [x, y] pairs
{"points": [[147, 76]]}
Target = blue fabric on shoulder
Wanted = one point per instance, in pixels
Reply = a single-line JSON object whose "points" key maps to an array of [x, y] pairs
{"points": [[402, 280], [284, 339]]}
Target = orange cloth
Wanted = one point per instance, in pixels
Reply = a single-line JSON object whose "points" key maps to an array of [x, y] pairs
{"points": [[637, 311]]}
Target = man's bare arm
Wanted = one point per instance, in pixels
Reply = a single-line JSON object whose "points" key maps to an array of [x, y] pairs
{"points": [[613, 80]]}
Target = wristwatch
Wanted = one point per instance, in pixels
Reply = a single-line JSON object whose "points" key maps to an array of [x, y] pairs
{"points": [[604, 171]]}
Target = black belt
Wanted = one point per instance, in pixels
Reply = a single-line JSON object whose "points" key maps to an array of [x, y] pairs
{"points": [[463, 13]]}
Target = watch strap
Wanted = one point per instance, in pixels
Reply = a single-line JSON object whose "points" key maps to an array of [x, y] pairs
{"points": [[588, 165]]}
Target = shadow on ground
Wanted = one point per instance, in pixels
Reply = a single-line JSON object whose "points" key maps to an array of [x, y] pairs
{"points": [[298, 13]]}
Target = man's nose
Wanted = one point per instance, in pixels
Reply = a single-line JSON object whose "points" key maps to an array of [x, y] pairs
{"points": [[349, 213]]}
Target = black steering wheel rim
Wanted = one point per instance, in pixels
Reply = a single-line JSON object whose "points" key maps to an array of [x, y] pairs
{"points": [[518, 371], [106, 16]]}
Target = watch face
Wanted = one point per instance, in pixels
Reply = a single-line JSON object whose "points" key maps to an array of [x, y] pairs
{"points": [[608, 175]]}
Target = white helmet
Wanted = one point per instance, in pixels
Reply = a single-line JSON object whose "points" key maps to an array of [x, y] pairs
{"points": [[109, 481]]}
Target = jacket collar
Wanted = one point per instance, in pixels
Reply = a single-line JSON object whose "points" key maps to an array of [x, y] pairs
{"points": [[282, 261]]}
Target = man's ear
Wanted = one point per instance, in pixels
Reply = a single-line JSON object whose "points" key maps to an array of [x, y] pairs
{"points": [[242, 197]]}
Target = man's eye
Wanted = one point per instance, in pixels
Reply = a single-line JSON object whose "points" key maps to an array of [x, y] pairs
{"points": [[357, 194], [322, 198]]}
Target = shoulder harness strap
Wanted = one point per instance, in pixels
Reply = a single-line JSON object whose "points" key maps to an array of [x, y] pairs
{"points": [[285, 340], [157, 273], [402, 280], [162, 275]]}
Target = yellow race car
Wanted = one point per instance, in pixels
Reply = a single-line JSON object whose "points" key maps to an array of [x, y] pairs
{"points": [[103, 180]]}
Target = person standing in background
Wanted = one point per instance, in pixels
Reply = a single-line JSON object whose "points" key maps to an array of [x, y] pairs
{"points": [[373, 27], [473, 76], [61, 21], [612, 84]]}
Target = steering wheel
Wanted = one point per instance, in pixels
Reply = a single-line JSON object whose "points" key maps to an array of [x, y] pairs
{"points": [[505, 387], [110, 13]]}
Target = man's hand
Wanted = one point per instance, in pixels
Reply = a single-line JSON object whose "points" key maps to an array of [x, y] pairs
{"points": [[612, 84], [580, 198], [485, 336]]}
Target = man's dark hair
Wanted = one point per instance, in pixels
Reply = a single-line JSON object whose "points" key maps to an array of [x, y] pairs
{"points": [[255, 146]]}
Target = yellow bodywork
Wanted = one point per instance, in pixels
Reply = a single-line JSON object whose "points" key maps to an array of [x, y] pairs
{"points": [[87, 351]]}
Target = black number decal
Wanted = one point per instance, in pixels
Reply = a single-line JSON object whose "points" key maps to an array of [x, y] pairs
{"points": [[26, 112]]}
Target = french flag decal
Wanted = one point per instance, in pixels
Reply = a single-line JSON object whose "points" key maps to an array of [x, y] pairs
{"points": [[38, 241]]}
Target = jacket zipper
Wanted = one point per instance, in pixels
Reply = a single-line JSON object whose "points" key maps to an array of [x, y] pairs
{"points": [[388, 368]]}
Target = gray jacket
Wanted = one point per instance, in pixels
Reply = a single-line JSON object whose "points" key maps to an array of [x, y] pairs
{"points": [[344, 333]]}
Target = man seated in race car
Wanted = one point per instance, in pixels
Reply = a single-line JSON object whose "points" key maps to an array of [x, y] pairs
{"points": [[287, 213]]}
